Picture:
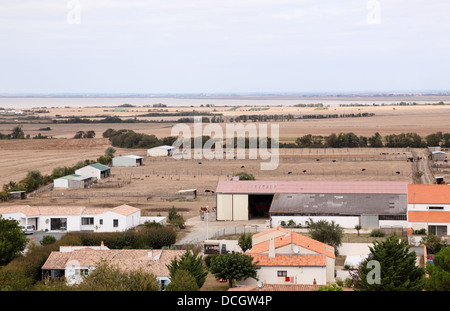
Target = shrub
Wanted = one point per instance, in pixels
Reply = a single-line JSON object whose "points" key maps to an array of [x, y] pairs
{"points": [[377, 233], [47, 240], [182, 281]]}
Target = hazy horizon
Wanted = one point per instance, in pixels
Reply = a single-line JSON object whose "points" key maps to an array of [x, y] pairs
{"points": [[222, 47]]}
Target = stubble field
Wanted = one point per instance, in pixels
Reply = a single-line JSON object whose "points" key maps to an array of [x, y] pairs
{"points": [[153, 186]]}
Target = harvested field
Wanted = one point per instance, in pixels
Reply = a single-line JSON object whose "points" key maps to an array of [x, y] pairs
{"points": [[153, 187], [423, 120]]}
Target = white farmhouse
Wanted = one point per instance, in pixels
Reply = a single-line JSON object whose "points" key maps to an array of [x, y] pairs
{"points": [[286, 257], [74, 218]]}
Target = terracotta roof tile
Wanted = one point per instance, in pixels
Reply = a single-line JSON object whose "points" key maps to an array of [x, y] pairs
{"points": [[124, 259], [429, 194], [290, 260], [293, 238]]}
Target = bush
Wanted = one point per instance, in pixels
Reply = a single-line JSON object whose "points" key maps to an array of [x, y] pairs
{"points": [[182, 281], [155, 237], [377, 233], [47, 240]]}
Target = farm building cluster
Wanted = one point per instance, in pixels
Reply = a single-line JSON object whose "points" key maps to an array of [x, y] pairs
{"points": [[83, 177], [369, 204]]}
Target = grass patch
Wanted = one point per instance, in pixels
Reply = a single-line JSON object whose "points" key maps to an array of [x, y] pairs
{"points": [[211, 284]]}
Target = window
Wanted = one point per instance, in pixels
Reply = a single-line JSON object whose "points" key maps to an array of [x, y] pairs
{"points": [[100, 221], [87, 220], [82, 272], [437, 230], [282, 273], [115, 223], [436, 207]]}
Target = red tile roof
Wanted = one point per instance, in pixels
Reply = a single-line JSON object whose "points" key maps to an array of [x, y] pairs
{"points": [[289, 260], [429, 194], [292, 237]]}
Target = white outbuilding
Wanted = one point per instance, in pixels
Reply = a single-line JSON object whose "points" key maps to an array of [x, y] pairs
{"points": [[96, 170], [128, 160], [160, 151], [63, 182]]}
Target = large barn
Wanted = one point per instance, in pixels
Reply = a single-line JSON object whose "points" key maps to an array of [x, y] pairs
{"points": [[371, 204]]}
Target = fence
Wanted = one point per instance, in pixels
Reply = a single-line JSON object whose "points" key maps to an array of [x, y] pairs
{"points": [[388, 230]]}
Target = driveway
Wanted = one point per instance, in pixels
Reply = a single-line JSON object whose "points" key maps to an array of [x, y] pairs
{"points": [[38, 235], [198, 230]]}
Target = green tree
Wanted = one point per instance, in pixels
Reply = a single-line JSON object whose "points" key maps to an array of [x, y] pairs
{"points": [[439, 271], [106, 277], [110, 151], [12, 240], [182, 281], [245, 241], [79, 134], [376, 141], [328, 233], [192, 263], [245, 176], [233, 267], [17, 133], [357, 228], [397, 268], [433, 243]]}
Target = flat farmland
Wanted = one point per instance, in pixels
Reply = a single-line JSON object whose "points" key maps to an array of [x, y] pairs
{"points": [[153, 187], [420, 119]]}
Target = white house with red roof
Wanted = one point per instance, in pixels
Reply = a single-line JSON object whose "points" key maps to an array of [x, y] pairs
{"points": [[429, 208], [75, 218], [287, 257]]}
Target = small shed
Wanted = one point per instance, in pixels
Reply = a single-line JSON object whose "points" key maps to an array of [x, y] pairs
{"points": [[438, 156], [160, 151], [63, 182], [81, 182], [17, 195], [96, 170], [188, 194], [128, 160]]}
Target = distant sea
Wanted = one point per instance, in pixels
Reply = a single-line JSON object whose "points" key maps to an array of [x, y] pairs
{"points": [[106, 101]]}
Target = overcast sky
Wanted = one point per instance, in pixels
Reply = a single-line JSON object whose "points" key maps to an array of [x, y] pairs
{"points": [[216, 46]]}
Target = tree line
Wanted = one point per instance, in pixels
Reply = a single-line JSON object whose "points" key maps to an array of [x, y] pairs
{"points": [[129, 139], [351, 140], [17, 133]]}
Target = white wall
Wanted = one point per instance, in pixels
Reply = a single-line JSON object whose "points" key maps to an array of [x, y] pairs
{"points": [[240, 207], [343, 221], [157, 152], [61, 183], [89, 171], [224, 206], [302, 275], [424, 207]]}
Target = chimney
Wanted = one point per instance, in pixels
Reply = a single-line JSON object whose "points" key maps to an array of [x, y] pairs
{"points": [[271, 249]]}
